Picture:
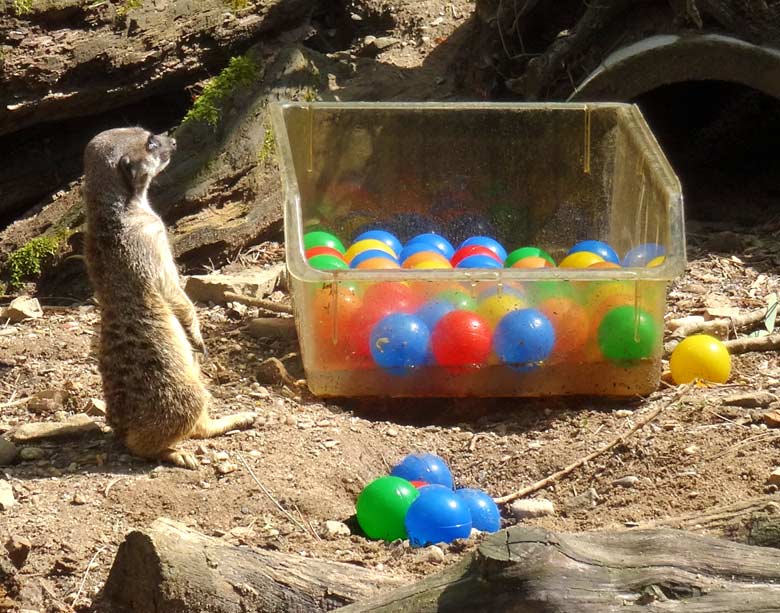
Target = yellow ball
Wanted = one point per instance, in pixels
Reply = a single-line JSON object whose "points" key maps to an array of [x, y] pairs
{"points": [[366, 244], [656, 261], [495, 307], [580, 259], [432, 264], [700, 357]]}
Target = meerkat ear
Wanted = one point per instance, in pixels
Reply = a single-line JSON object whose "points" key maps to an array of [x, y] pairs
{"points": [[127, 170]]}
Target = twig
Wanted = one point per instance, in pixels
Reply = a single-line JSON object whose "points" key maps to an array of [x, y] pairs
{"points": [[744, 443], [308, 523], [14, 403], [270, 496], [719, 327], [111, 484], [574, 465], [86, 572], [770, 342], [268, 305]]}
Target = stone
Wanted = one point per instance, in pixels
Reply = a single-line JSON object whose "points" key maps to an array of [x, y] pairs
{"points": [[21, 309], [18, 549], [47, 401], [95, 407], [774, 477], [31, 454], [771, 419], [77, 425], [373, 45], [272, 327], [627, 481], [252, 282], [335, 529], [225, 468], [750, 400], [528, 508], [582, 502], [8, 452], [78, 499], [7, 499], [434, 554]]}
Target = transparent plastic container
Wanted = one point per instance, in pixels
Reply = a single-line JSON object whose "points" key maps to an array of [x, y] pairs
{"points": [[544, 175]]}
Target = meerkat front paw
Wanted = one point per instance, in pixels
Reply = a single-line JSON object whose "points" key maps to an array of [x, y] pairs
{"points": [[183, 459]]}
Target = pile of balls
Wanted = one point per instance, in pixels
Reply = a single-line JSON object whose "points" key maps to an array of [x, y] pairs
{"points": [[417, 501]]}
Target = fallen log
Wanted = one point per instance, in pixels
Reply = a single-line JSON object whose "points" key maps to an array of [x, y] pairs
{"points": [[170, 568], [533, 570]]}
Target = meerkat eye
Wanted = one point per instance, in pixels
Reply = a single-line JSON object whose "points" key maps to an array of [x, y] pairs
{"points": [[153, 143]]}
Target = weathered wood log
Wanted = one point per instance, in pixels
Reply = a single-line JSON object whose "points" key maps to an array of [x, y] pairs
{"points": [[169, 568], [533, 570]]}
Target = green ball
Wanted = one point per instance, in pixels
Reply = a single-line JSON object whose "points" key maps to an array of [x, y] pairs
{"points": [[525, 252], [382, 506], [327, 262], [539, 291], [318, 238], [627, 334], [461, 300]]}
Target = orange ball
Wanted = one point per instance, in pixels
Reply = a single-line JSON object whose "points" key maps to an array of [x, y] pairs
{"points": [[571, 324], [532, 261], [604, 264], [334, 309], [431, 265], [425, 256], [377, 264]]}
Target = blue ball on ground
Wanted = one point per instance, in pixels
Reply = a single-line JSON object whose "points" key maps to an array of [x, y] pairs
{"points": [[437, 515], [426, 467], [484, 511]]}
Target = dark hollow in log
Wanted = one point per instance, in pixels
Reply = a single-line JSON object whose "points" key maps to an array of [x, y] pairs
{"points": [[532, 570], [170, 568]]}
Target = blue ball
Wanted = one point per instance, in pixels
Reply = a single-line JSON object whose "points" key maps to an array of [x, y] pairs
{"points": [[426, 467], [485, 241], [400, 342], [523, 338], [368, 254], [433, 310], [639, 256], [412, 248], [597, 247], [437, 515], [479, 261], [441, 244], [382, 235], [484, 511]]}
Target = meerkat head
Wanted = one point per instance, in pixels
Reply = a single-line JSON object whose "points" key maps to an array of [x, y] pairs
{"points": [[120, 164]]}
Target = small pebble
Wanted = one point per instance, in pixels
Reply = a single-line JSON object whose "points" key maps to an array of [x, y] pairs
{"points": [[391, 432], [691, 450], [221, 456], [623, 413], [527, 508], [627, 481], [434, 554], [225, 468], [31, 454], [79, 499], [335, 529]]}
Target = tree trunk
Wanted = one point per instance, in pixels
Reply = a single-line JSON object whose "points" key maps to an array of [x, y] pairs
{"points": [[531, 570], [170, 568]]}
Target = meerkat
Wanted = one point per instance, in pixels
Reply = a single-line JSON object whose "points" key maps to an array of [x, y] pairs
{"points": [[154, 392]]}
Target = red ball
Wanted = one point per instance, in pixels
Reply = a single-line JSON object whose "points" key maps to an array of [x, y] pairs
{"points": [[461, 338], [310, 253], [469, 250], [379, 301]]}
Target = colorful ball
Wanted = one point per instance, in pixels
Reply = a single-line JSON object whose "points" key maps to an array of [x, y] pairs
{"points": [[459, 299], [387, 238], [484, 511], [382, 507], [327, 262], [580, 259], [378, 263], [469, 250], [461, 338], [570, 322], [656, 261], [334, 307], [524, 338], [399, 342], [362, 256], [600, 248], [433, 310], [365, 245], [485, 241], [414, 260], [412, 249], [702, 357], [426, 467], [497, 306], [532, 261], [379, 300], [433, 264], [320, 238], [639, 256], [479, 261], [436, 240], [627, 334], [526, 252], [437, 515], [310, 253], [605, 264]]}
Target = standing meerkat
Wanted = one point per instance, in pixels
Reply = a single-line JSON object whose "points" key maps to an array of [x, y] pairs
{"points": [[155, 396]]}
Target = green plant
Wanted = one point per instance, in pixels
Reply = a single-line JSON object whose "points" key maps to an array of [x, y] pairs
{"points": [[240, 72], [237, 5], [269, 144], [26, 261], [22, 7], [309, 95], [128, 6]]}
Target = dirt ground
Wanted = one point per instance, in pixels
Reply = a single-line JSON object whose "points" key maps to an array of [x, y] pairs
{"points": [[77, 499]]}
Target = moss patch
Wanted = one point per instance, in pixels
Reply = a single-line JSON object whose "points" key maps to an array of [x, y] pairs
{"points": [[269, 146], [25, 262], [22, 7], [240, 72]]}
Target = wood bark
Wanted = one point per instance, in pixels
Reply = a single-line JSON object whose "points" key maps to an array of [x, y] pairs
{"points": [[529, 570], [170, 568]]}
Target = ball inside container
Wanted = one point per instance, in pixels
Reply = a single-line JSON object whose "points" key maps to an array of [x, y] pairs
{"points": [[382, 506], [599, 248], [437, 515], [399, 342], [523, 338], [484, 511], [436, 240], [426, 467]]}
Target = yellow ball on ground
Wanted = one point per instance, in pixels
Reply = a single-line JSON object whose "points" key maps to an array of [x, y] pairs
{"points": [[701, 357], [580, 259]]}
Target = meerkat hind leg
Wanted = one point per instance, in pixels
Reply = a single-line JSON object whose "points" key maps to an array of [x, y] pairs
{"points": [[143, 445], [208, 427]]}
